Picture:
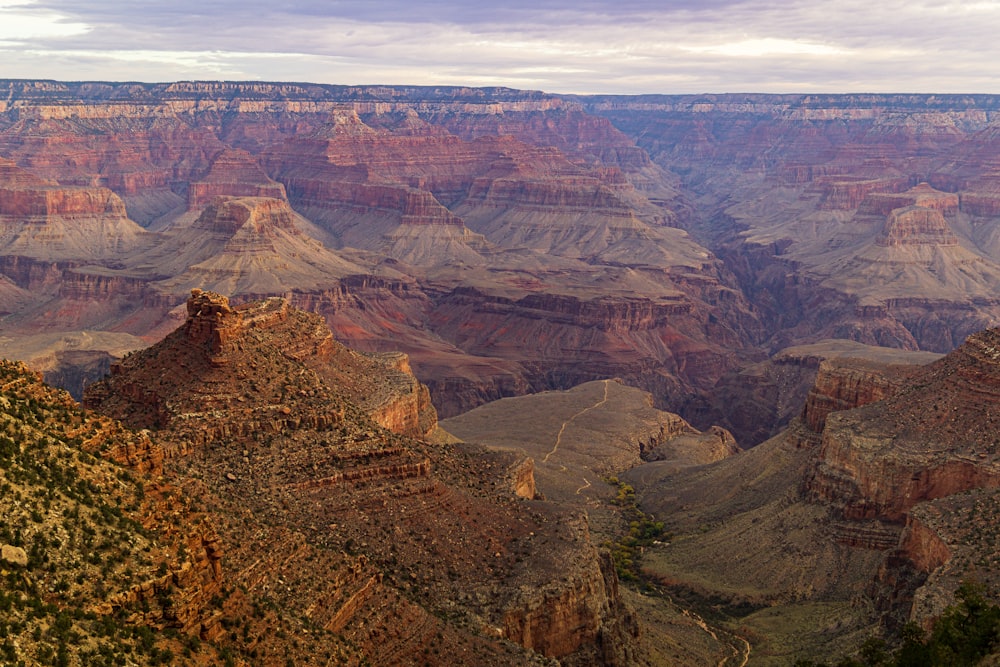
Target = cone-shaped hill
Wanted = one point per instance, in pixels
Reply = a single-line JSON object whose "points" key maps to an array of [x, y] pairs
{"points": [[242, 245]]}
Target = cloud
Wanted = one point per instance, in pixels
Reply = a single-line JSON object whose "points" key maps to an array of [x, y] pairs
{"points": [[21, 21], [769, 46], [629, 46]]}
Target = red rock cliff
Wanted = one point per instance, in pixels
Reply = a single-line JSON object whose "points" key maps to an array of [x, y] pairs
{"points": [[934, 438]]}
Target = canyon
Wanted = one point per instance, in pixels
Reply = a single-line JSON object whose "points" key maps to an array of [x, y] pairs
{"points": [[671, 241], [769, 316]]}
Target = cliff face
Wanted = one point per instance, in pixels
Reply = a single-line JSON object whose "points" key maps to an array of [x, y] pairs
{"points": [[559, 621], [887, 483], [848, 384], [929, 441], [234, 173]]}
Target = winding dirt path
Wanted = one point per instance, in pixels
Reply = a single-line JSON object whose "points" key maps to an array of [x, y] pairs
{"points": [[569, 421], [738, 652]]}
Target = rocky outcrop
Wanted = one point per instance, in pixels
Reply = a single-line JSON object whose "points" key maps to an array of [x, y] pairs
{"points": [[405, 405], [922, 195], [137, 451], [281, 418], [932, 439], [42, 219], [55, 200], [217, 335], [181, 598], [13, 556], [847, 194], [521, 474], [211, 324], [228, 216], [847, 383], [578, 613], [922, 546]]}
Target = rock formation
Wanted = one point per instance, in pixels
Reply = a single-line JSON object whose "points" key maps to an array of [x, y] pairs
{"points": [[510, 242], [440, 198], [801, 192], [761, 400], [845, 384], [234, 173], [931, 440], [264, 408], [41, 219], [886, 483]]}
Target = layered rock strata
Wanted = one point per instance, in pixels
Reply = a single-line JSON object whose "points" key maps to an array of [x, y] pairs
{"points": [[931, 440], [234, 173], [494, 191]]}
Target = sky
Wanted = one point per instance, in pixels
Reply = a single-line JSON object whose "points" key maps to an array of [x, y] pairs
{"points": [[559, 46]]}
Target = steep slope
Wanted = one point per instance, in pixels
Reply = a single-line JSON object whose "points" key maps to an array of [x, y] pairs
{"points": [[760, 400], [260, 409], [43, 220], [864, 514], [96, 562], [243, 245], [933, 439]]}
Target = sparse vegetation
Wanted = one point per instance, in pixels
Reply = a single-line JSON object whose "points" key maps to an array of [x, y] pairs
{"points": [[643, 531], [965, 634], [64, 508]]}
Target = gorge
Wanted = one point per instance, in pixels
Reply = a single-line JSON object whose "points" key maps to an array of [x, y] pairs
{"points": [[769, 316]]}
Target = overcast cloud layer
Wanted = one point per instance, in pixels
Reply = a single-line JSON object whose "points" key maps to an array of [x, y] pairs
{"points": [[567, 46]]}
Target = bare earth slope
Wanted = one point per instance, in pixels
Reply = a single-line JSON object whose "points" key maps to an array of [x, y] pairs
{"points": [[592, 431], [579, 440]]}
